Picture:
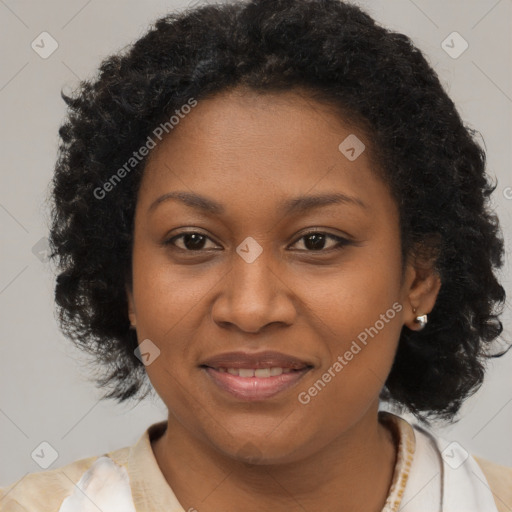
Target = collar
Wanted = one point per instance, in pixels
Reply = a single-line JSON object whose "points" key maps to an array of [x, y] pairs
{"points": [[430, 475]]}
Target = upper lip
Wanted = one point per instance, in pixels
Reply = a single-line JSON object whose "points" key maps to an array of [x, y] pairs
{"points": [[267, 359]]}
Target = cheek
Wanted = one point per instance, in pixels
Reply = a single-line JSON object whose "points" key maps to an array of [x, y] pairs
{"points": [[165, 300], [359, 344], [352, 297], [359, 328], [166, 293], [359, 320]]}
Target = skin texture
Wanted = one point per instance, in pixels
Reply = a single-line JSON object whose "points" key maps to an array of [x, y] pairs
{"points": [[251, 152]]}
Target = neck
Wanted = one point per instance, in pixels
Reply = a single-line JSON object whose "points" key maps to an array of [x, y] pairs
{"points": [[353, 472]]}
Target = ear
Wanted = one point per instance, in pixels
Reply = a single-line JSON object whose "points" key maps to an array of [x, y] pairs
{"points": [[422, 285], [131, 306]]}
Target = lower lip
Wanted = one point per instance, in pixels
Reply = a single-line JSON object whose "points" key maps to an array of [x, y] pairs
{"points": [[255, 388]]}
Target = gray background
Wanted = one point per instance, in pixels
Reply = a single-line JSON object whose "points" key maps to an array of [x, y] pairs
{"points": [[45, 395]]}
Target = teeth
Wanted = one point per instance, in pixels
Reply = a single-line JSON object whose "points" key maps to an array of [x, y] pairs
{"points": [[255, 372]]}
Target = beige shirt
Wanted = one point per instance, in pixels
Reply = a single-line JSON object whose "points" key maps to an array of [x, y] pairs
{"points": [[133, 472]]}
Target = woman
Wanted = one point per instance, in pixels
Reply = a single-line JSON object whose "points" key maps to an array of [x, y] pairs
{"points": [[272, 213]]}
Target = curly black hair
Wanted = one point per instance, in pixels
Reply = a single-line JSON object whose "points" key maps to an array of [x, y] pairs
{"points": [[339, 55]]}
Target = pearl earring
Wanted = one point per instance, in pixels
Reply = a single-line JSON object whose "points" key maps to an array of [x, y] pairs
{"points": [[421, 320]]}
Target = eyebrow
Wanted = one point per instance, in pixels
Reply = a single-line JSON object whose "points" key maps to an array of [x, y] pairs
{"points": [[290, 206]]}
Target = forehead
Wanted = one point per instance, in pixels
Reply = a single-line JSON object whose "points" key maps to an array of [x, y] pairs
{"points": [[239, 145]]}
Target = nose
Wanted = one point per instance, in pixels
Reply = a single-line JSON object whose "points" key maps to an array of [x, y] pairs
{"points": [[254, 295]]}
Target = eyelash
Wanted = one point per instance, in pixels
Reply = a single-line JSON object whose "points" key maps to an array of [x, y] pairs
{"points": [[341, 242]]}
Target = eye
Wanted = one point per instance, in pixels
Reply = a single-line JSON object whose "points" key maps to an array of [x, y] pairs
{"points": [[192, 241], [315, 241]]}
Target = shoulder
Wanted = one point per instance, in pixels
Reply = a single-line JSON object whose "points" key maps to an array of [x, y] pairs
{"points": [[46, 490], [500, 481]]}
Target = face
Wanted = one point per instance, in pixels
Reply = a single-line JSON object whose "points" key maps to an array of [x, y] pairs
{"points": [[253, 266]]}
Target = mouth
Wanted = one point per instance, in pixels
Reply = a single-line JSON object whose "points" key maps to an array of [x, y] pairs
{"points": [[263, 373], [254, 377]]}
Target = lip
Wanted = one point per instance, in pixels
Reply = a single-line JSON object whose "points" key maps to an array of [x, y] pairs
{"points": [[266, 359], [254, 388]]}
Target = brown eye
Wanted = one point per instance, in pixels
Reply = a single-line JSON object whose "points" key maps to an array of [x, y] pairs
{"points": [[192, 241], [316, 241]]}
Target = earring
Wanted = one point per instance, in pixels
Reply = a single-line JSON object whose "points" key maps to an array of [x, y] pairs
{"points": [[422, 320]]}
